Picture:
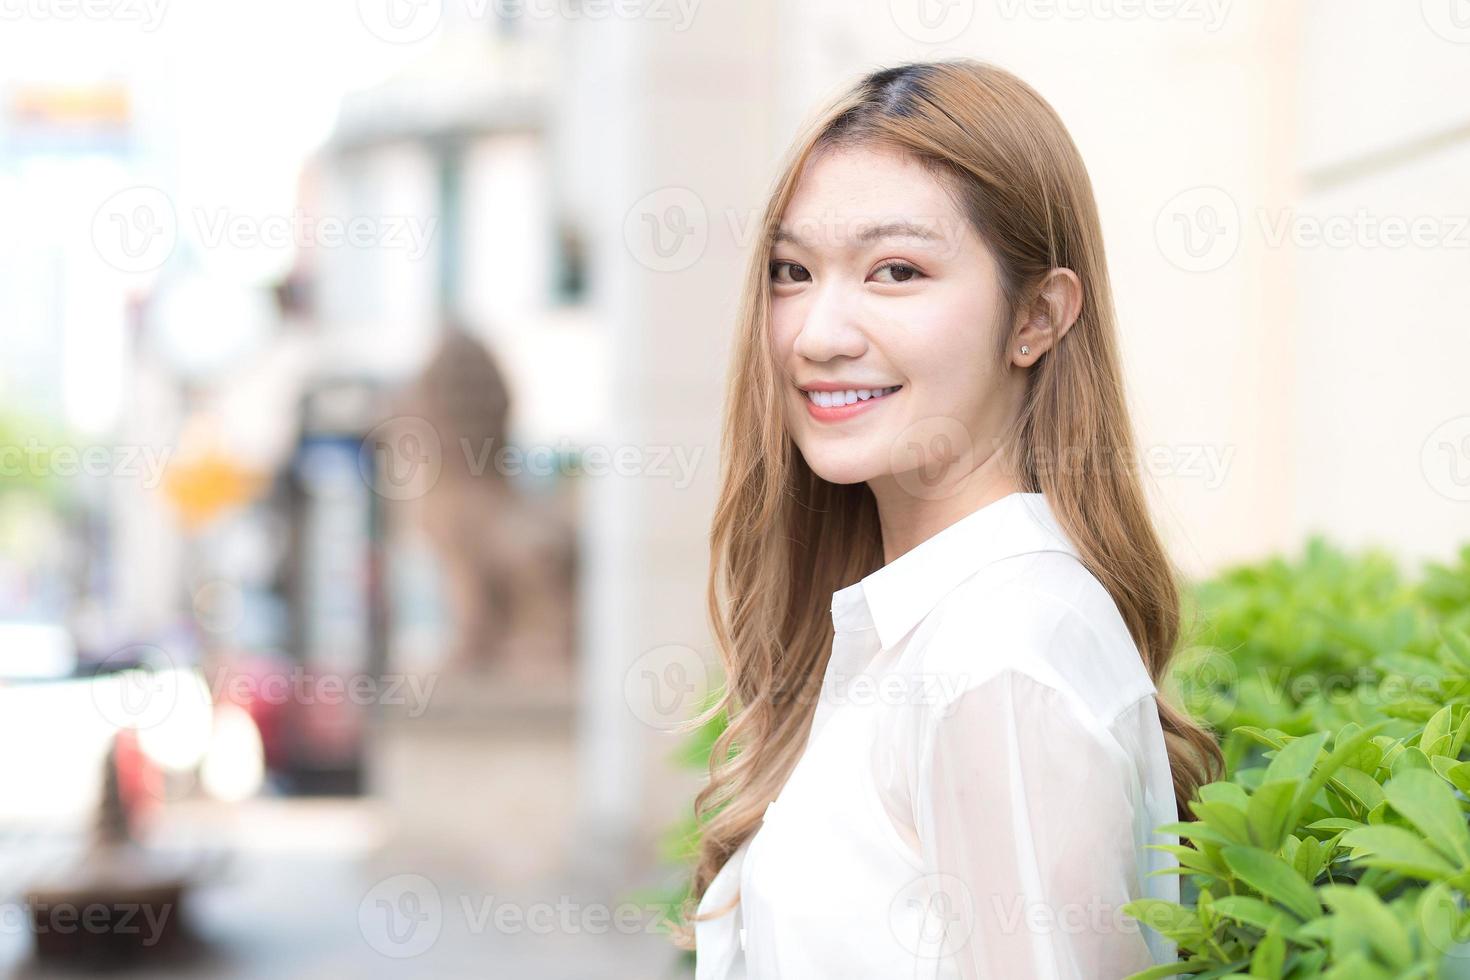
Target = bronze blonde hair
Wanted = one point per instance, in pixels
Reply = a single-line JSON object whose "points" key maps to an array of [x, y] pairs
{"points": [[783, 540]]}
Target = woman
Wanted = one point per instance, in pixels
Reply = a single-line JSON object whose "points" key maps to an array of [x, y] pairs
{"points": [[955, 766]]}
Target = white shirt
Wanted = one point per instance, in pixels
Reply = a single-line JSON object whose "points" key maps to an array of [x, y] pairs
{"points": [[984, 770]]}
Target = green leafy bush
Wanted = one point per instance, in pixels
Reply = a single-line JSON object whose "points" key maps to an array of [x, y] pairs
{"points": [[1313, 644], [1337, 845]]}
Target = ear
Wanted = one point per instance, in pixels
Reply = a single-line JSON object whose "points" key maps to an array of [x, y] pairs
{"points": [[1055, 306]]}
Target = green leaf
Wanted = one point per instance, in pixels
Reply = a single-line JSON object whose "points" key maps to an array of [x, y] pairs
{"points": [[1229, 793], [1267, 811], [1273, 878], [1457, 744], [1356, 966], [1195, 830], [1398, 850], [1456, 772], [1362, 787], [1254, 912], [1365, 914], [1391, 752], [1308, 857], [1430, 805], [1271, 738], [1269, 957], [1344, 748], [1296, 759], [1227, 971], [1307, 964], [1412, 757], [1173, 920], [1164, 970], [1193, 858], [1458, 644], [1367, 758], [1227, 820], [1319, 929], [1436, 737]]}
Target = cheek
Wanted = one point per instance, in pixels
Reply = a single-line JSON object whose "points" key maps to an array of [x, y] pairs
{"points": [[785, 325], [946, 344], [961, 319]]}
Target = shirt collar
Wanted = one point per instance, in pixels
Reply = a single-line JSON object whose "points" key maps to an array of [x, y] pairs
{"points": [[893, 599]]}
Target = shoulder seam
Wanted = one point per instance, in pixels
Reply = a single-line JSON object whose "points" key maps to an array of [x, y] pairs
{"points": [[1092, 629], [1145, 696]]}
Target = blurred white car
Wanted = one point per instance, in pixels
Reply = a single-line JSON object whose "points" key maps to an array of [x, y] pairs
{"points": [[61, 718]]}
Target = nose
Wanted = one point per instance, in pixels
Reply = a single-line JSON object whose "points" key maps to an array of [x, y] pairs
{"points": [[831, 328]]}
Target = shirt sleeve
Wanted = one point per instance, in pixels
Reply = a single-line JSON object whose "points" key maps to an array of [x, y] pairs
{"points": [[1026, 825]]}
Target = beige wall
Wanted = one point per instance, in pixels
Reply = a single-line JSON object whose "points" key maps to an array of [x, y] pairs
{"points": [[1381, 394], [682, 124]]}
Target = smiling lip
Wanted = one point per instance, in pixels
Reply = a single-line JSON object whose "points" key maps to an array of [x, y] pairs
{"points": [[839, 408]]}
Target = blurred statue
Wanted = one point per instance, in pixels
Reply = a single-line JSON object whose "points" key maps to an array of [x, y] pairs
{"points": [[508, 558]]}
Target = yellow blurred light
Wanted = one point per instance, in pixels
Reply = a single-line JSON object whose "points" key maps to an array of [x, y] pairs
{"points": [[202, 488]]}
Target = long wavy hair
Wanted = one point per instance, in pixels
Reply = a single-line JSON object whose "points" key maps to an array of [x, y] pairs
{"points": [[783, 539]]}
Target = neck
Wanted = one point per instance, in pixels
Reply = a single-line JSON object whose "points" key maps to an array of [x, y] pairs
{"points": [[910, 511]]}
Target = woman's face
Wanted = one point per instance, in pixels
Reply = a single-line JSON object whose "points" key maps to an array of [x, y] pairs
{"points": [[880, 287]]}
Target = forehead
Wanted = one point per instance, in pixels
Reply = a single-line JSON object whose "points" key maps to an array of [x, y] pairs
{"points": [[846, 194]]}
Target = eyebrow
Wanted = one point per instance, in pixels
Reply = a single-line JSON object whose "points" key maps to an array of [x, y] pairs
{"points": [[889, 229]]}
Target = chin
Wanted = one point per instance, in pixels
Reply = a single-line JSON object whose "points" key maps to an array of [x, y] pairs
{"points": [[840, 464]]}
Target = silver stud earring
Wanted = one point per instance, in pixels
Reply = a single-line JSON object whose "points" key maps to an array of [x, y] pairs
{"points": [[1025, 350]]}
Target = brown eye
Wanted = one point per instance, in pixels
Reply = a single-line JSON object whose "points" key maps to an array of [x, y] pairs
{"points": [[797, 273], [899, 272]]}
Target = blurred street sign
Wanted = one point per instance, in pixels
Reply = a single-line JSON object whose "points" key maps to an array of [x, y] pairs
{"points": [[202, 488]]}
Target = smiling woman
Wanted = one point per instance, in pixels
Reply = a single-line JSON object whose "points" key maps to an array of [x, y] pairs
{"points": [[920, 495]]}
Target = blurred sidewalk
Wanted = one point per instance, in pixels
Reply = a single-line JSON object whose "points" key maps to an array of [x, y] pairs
{"points": [[317, 889]]}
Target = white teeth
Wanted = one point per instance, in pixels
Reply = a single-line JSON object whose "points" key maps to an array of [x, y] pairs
{"points": [[833, 399]]}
